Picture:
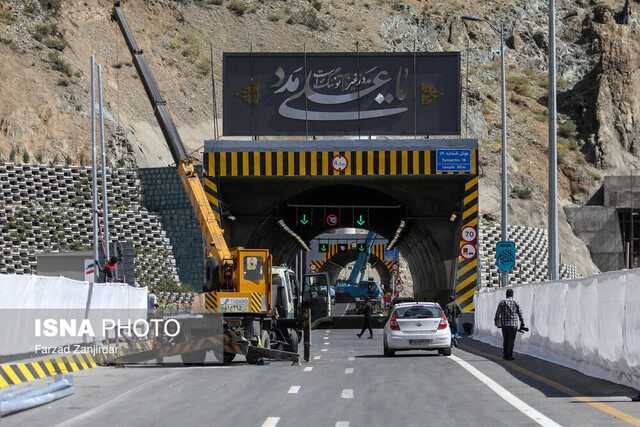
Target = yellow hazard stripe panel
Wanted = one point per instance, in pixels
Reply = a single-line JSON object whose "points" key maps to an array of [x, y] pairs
{"points": [[18, 373], [467, 269], [256, 303], [315, 265], [320, 163], [211, 301]]}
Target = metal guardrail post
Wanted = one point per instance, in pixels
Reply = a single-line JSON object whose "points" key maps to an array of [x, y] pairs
{"points": [[307, 334]]}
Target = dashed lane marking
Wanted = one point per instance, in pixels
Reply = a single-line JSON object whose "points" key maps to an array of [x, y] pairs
{"points": [[271, 422], [347, 393], [326, 343], [507, 396], [308, 369], [324, 349], [342, 424], [316, 357], [352, 359], [348, 371], [294, 389]]}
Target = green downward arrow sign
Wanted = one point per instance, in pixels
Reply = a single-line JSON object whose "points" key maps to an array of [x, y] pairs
{"points": [[360, 221], [361, 248], [304, 219]]}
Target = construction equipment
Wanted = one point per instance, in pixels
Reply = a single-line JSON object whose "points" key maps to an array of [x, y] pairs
{"points": [[237, 294], [355, 287]]}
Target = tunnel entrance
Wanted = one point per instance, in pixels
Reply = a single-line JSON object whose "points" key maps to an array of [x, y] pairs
{"points": [[280, 195], [332, 253]]}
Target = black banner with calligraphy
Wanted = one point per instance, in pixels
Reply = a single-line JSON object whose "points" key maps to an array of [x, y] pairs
{"points": [[277, 94]]}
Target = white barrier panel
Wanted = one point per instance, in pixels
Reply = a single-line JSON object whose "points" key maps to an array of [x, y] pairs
{"points": [[591, 324], [26, 302]]}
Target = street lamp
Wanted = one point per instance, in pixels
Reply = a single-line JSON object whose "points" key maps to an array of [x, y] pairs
{"points": [[504, 277]]}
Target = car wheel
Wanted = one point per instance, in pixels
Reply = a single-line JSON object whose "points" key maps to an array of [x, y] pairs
{"points": [[387, 351], [446, 351]]}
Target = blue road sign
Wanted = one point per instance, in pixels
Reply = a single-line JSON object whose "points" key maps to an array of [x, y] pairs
{"points": [[393, 253], [505, 256], [453, 160]]}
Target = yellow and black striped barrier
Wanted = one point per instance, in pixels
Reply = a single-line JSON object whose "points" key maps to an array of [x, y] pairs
{"points": [[319, 163], [19, 373], [467, 271]]}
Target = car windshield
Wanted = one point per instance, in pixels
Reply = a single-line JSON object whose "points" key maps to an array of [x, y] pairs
{"points": [[418, 312]]}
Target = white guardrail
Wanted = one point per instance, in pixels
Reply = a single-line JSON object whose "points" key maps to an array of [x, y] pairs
{"points": [[589, 324], [27, 301]]}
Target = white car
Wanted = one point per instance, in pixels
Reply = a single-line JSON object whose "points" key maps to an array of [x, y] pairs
{"points": [[417, 326]]}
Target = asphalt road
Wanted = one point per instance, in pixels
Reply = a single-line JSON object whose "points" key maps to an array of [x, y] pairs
{"points": [[347, 383]]}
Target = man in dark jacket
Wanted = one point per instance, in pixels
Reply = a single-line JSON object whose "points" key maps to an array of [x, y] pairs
{"points": [[506, 318], [109, 269], [368, 309], [453, 311]]}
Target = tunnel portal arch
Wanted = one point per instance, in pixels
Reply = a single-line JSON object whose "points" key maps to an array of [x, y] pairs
{"points": [[263, 197]]}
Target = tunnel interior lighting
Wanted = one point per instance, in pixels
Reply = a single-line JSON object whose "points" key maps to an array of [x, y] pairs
{"points": [[290, 232], [399, 231]]}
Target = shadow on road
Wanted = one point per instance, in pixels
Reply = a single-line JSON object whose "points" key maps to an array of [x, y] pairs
{"points": [[549, 378]]}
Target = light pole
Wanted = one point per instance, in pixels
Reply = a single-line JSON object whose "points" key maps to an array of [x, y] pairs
{"points": [[504, 277]]}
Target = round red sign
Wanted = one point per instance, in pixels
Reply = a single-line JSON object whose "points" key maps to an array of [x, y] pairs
{"points": [[332, 220], [339, 163]]}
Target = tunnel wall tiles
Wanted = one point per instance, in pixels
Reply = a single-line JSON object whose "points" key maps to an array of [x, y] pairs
{"points": [[304, 163]]}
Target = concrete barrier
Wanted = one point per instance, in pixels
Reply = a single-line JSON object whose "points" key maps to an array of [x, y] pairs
{"points": [[588, 324], [27, 301]]}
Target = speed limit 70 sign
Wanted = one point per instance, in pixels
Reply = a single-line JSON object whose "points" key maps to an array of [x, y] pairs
{"points": [[468, 233]]}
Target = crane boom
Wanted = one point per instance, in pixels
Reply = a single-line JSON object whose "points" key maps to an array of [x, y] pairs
{"points": [[224, 266]]}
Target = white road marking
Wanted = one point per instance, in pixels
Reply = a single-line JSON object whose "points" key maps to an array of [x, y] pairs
{"points": [[328, 331], [271, 422], [326, 338], [316, 357], [324, 349], [294, 389], [347, 393], [348, 371], [326, 343], [507, 396], [352, 359], [308, 369], [342, 424], [134, 391]]}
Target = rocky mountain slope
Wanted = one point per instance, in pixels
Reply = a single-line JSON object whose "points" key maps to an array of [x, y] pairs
{"points": [[45, 49]]}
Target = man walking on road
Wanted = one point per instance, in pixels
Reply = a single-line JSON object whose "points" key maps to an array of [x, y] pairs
{"points": [[368, 309], [453, 311], [506, 318]]}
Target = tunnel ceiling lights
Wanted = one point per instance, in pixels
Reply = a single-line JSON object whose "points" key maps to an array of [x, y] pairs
{"points": [[397, 235], [294, 235]]}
